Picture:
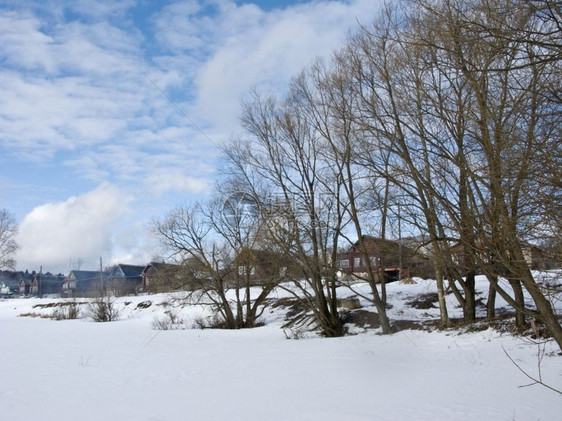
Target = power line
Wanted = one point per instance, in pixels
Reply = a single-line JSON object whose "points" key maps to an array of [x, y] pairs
{"points": [[180, 110]]}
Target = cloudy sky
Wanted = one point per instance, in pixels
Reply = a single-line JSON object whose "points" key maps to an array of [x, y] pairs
{"points": [[92, 149]]}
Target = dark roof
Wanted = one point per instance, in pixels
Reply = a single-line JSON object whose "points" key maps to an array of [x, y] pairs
{"points": [[131, 270], [12, 278], [87, 281], [85, 275], [50, 284], [159, 266]]}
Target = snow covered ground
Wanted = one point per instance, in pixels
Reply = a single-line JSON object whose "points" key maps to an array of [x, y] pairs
{"points": [[127, 370]]}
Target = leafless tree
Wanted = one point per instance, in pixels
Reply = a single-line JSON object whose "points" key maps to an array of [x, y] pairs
{"points": [[204, 240], [450, 110], [323, 93], [388, 75], [509, 122], [281, 156], [8, 244]]}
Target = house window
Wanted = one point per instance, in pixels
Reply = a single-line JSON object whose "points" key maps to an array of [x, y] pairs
{"points": [[344, 263], [243, 270], [357, 262]]}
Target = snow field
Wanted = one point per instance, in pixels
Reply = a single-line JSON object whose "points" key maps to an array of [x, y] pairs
{"points": [[126, 370]]}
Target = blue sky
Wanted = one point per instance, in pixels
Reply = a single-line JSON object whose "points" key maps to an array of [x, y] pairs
{"points": [[90, 149]]}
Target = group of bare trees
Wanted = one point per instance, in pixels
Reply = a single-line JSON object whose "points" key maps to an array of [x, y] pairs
{"points": [[458, 103], [444, 115]]}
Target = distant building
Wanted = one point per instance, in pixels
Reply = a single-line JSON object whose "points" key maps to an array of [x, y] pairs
{"points": [[394, 258], [83, 283], [161, 277], [124, 279], [12, 279], [46, 284], [261, 267]]}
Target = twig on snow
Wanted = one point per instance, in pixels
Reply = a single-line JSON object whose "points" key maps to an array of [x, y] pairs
{"points": [[534, 380]]}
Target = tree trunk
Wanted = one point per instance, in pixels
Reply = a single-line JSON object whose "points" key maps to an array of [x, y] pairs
{"points": [[491, 303], [547, 315], [469, 308], [441, 295], [520, 299]]}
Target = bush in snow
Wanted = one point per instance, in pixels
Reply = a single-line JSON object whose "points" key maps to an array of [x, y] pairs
{"points": [[67, 311], [170, 320], [104, 309]]}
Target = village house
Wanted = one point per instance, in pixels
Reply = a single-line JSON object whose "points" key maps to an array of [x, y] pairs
{"points": [[12, 279], [24, 287], [399, 261], [124, 279], [83, 283], [164, 277], [4, 289], [536, 257], [260, 267], [43, 284]]}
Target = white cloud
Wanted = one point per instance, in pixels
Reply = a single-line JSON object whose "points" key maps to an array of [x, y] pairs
{"points": [[81, 227], [70, 89], [75, 91], [135, 245], [178, 27], [23, 43], [74, 98], [101, 8], [164, 181], [248, 47]]}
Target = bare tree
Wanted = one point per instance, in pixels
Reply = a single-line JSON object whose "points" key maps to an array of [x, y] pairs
{"points": [[464, 113], [325, 96], [281, 156], [388, 76], [206, 240], [8, 244]]}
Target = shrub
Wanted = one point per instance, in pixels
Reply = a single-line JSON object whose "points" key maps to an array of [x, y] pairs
{"points": [[210, 322], [67, 311], [170, 320], [104, 309], [64, 314]]}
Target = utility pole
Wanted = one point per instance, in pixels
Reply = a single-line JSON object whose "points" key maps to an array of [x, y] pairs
{"points": [[399, 245], [39, 281], [101, 279]]}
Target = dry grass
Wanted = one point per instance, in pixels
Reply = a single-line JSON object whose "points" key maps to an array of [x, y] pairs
{"points": [[36, 315]]}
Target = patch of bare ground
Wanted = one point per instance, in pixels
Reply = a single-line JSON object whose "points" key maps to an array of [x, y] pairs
{"points": [[424, 301], [361, 318], [369, 319], [503, 323], [295, 307], [59, 304]]}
